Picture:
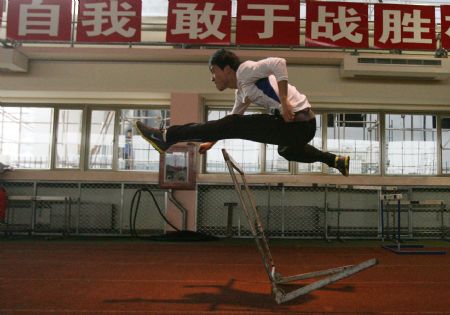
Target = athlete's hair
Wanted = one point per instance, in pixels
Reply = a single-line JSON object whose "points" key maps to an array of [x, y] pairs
{"points": [[223, 58]]}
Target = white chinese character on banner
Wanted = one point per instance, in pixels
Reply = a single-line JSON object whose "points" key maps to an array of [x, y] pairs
{"points": [[346, 25], [411, 23], [188, 18], [43, 20], [269, 17], [99, 17]]}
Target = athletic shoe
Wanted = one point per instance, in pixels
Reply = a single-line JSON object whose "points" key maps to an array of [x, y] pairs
{"points": [[342, 163], [153, 136]]}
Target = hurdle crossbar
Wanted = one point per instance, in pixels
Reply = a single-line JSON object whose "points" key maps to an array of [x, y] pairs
{"points": [[252, 214]]}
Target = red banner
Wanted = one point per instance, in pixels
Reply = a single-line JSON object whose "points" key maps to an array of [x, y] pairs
{"points": [[199, 21], [258, 22], [1, 12], [268, 22], [445, 26], [39, 20], [109, 21], [337, 24], [404, 27]]}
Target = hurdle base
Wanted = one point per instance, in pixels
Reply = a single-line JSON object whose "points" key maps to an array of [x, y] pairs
{"points": [[336, 274], [405, 249], [248, 203]]}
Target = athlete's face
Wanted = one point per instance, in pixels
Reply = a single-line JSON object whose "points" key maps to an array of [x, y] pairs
{"points": [[219, 77]]}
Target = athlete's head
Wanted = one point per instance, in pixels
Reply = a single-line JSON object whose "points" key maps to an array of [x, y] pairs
{"points": [[223, 65], [223, 58]]}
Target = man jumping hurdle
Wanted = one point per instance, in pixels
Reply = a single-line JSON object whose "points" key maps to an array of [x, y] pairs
{"points": [[291, 123]]}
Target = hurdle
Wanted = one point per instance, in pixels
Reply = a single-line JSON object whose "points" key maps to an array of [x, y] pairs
{"points": [[399, 248], [252, 214]]}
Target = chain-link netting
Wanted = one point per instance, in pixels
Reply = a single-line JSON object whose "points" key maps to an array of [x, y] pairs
{"points": [[81, 208], [98, 209], [352, 212], [147, 217], [285, 211], [212, 209], [300, 212], [54, 207], [303, 211], [20, 207], [432, 220]]}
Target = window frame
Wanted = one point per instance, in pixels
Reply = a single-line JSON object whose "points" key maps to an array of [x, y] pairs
{"points": [[293, 166], [57, 109], [37, 105], [438, 152], [380, 114]]}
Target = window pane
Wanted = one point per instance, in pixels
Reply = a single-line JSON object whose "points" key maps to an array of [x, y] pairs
{"points": [[68, 142], [316, 142], [411, 144], [274, 161], [356, 135], [134, 152], [26, 136], [445, 123], [101, 139], [246, 153]]}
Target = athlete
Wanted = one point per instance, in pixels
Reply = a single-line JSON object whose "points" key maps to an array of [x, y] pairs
{"points": [[290, 122]]}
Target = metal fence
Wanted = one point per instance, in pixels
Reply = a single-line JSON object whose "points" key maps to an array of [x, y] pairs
{"points": [[80, 208], [325, 212], [315, 212]]}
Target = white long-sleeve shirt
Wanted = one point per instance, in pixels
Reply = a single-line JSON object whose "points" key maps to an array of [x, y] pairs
{"points": [[257, 83]]}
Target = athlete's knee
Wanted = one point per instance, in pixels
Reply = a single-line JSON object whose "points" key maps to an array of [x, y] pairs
{"points": [[286, 152]]}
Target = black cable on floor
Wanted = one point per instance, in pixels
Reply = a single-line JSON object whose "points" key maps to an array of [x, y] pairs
{"points": [[134, 210], [175, 236]]}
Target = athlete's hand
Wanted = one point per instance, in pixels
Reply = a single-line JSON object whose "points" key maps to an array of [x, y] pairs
{"points": [[288, 115], [205, 147], [286, 106]]}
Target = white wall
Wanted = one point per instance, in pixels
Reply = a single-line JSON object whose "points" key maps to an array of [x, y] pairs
{"points": [[140, 80]]}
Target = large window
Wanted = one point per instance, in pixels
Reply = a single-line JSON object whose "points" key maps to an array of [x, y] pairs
{"points": [[68, 140], [410, 144], [134, 152], [26, 136], [356, 135], [108, 140], [27, 140]]}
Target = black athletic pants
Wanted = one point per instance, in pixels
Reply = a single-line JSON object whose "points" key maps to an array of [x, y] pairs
{"points": [[291, 137]]}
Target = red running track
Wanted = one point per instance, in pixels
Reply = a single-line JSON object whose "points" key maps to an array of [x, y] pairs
{"points": [[134, 277]]}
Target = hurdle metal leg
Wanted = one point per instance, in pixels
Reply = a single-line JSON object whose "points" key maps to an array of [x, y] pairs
{"points": [[249, 207]]}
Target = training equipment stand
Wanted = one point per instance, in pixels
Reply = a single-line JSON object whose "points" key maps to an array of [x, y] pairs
{"points": [[257, 230]]}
